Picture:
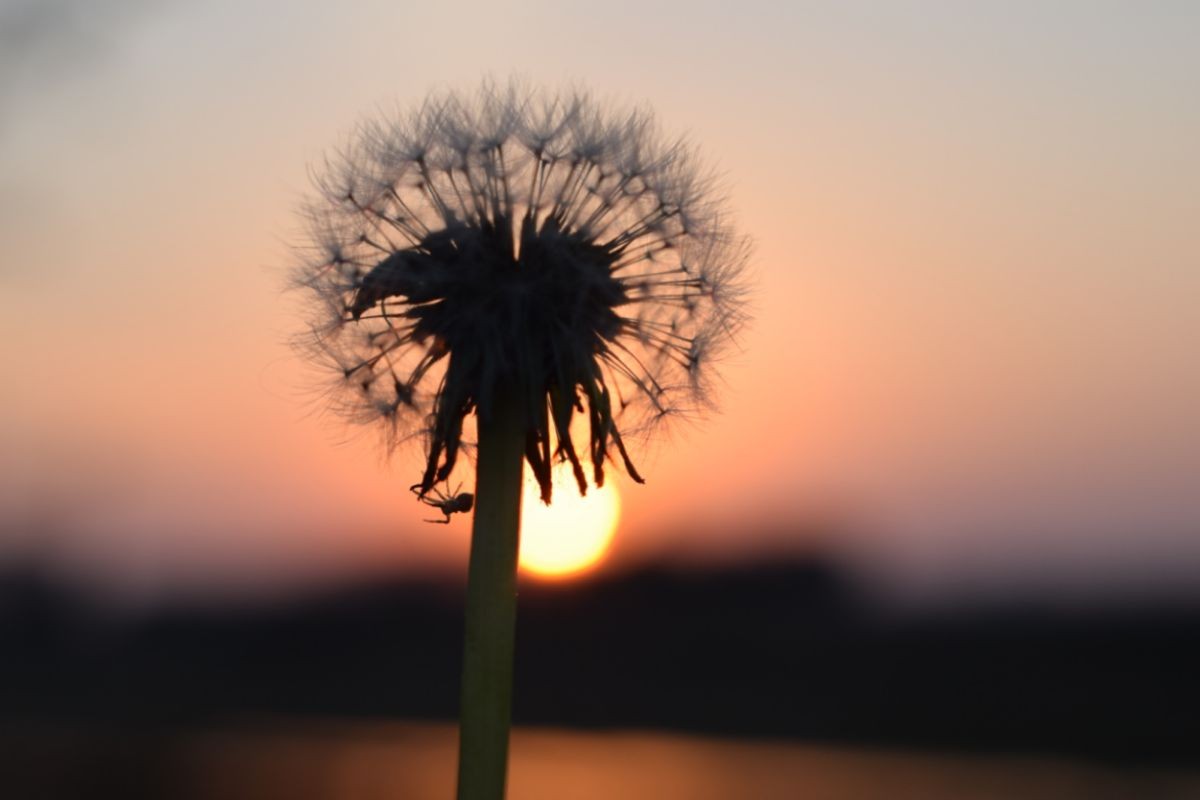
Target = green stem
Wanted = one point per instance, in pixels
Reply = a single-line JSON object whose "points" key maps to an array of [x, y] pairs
{"points": [[491, 612]]}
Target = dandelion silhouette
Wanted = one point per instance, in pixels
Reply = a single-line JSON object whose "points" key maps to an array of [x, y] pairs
{"points": [[517, 258]]}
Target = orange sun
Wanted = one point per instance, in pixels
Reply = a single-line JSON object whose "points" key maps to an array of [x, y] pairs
{"points": [[573, 533]]}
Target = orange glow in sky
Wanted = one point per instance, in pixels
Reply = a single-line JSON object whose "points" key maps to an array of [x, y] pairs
{"points": [[975, 276]]}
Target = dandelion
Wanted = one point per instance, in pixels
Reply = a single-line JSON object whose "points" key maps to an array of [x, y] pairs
{"points": [[505, 263]]}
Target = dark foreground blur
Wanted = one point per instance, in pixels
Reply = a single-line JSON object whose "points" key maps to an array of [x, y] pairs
{"points": [[1015, 702]]}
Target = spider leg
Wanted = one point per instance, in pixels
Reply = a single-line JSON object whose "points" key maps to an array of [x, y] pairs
{"points": [[445, 521]]}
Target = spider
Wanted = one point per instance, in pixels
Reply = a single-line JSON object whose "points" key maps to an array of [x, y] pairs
{"points": [[452, 503]]}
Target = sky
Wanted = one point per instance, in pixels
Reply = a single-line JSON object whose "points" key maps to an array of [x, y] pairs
{"points": [[972, 366]]}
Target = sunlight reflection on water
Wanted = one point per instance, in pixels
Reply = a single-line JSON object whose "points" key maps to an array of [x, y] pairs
{"points": [[408, 760]]}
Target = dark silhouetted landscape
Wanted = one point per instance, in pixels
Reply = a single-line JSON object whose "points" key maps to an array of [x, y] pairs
{"points": [[780, 651]]}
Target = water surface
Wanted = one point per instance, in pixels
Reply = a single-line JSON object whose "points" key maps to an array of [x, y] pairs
{"points": [[331, 760]]}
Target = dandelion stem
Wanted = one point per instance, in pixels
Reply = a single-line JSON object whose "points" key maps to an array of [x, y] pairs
{"points": [[491, 603]]}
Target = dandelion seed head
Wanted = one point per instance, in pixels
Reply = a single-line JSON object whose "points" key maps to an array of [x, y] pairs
{"points": [[512, 241]]}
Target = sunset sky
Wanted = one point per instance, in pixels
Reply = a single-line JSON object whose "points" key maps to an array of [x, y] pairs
{"points": [[973, 362]]}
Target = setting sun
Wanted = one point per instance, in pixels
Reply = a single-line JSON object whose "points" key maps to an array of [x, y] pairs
{"points": [[573, 533]]}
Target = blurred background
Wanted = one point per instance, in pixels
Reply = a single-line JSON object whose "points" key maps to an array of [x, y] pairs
{"points": [[943, 539]]}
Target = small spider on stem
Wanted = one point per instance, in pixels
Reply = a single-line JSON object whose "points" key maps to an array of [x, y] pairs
{"points": [[455, 502]]}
